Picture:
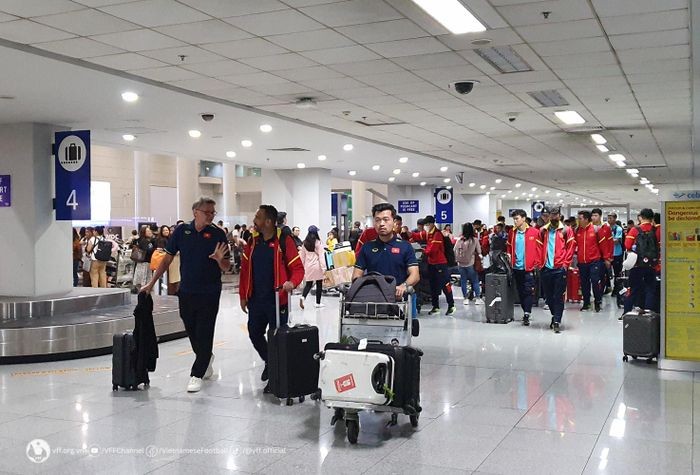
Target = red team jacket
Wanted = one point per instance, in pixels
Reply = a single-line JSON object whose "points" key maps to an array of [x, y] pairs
{"points": [[533, 248], [563, 247], [592, 246], [631, 239], [435, 246]]}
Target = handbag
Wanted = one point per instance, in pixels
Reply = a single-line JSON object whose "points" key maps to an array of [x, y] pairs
{"points": [[138, 254]]}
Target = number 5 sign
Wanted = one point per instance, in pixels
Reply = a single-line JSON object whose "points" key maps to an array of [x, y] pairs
{"points": [[443, 206], [72, 165]]}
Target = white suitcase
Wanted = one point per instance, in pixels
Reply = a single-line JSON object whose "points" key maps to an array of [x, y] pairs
{"points": [[356, 377]]}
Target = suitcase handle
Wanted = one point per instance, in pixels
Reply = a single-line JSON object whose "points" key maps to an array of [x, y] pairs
{"points": [[277, 307]]}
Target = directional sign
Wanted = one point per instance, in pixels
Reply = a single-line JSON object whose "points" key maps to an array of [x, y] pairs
{"points": [[409, 206], [537, 207], [5, 191], [443, 205], [72, 160]]}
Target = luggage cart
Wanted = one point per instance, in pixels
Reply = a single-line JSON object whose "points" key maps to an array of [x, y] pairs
{"points": [[125, 268], [378, 321]]}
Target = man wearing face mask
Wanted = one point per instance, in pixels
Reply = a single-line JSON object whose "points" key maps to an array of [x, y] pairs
{"points": [[557, 253], [437, 267]]}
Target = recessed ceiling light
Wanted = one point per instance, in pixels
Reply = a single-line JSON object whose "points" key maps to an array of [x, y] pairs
{"points": [[524, 193], [632, 171], [530, 195], [483, 187], [517, 198], [546, 191], [446, 180], [537, 196], [620, 164], [503, 196], [392, 178], [570, 117], [498, 181], [130, 96], [443, 169], [534, 188], [603, 148], [472, 185], [231, 154], [348, 147], [301, 165], [128, 137], [375, 167], [322, 158], [246, 143], [449, 187], [422, 183], [558, 194], [617, 157], [599, 139], [492, 188], [266, 128], [396, 171], [655, 191], [488, 193], [352, 173], [561, 201], [403, 159], [453, 15], [195, 134], [510, 191], [518, 185], [415, 174], [643, 181]]}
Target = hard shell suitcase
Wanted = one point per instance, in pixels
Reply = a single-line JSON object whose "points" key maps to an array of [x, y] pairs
{"points": [[292, 368], [573, 286], [357, 376], [124, 372], [641, 335], [499, 298]]}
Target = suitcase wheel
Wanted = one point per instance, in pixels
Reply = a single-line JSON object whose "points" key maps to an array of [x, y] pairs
{"points": [[290, 401], [316, 396], [115, 387], [353, 428], [634, 357], [625, 358], [302, 399], [414, 420], [650, 360]]}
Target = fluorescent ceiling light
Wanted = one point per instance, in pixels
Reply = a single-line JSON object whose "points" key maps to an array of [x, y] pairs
{"points": [[617, 157], [422, 183], [632, 171], [443, 169], [518, 185], [231, 154], [392, 178], [301, 165], [472, 185], [549, 98], [396, 171], [558, 194], [415, 174], [599, 139], [128, 137], [348, 147], [570, 117], [602, 148], [503, 196], [492, 188], [452, 15], [530, 195], [644, 181], [655, 191], [352, 173], [322, 158], [483, 187], [488, 193], [129, 96], [621, 164], [266, 128], [446, 180], [403, 159], [517, 198], [510, 191], [650, 186], [246, 143], [375, 167], [546, 191], [195, 134], [449, 187], [534, 188], [504, 58], [498, 181]]}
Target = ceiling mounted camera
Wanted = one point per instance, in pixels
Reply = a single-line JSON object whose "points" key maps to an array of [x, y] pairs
{"points": [[512, 116], [464, 87], [207, 117]]}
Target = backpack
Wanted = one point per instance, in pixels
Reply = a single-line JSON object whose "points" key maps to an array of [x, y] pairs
{"points": [[103, 250], [449, 251], [647, 248], [364, 294]]}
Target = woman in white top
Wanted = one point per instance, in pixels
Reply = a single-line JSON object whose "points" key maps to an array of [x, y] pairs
{"points": [[465, 249], [313, 259]]}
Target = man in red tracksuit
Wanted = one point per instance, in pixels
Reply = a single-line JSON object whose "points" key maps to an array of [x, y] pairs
{"points": [[270, 262], [591, 251], [524, 249], [607, 244], [558, 244], [645, 241], [437, 266]]}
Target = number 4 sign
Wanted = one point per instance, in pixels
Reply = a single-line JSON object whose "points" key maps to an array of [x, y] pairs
{"points": [[72, 165]]}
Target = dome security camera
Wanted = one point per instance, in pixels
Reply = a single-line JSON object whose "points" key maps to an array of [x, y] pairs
{"points": [[512, 116], [465, 87], [207, 117]]}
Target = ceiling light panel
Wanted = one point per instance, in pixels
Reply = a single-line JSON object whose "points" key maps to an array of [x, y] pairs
{"points": [[452, 15], [504, 59], [549, 98], [570, 117]]}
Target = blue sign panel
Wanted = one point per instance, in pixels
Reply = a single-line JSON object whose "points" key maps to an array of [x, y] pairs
{"points": [[408, 206], [72, 159], [443, 206], [537, 207], [5, 191]]}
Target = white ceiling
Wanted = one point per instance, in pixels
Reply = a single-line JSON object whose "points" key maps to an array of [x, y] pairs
{"points": [[624, 65]]}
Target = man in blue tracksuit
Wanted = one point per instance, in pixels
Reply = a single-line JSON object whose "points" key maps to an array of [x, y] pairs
{"points": [[618, 253]]}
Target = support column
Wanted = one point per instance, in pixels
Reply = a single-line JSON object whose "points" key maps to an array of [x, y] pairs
{"points": [[37, 259], [187, 186], [229, 206], [424, 195], [360, 208], [142, 186]]}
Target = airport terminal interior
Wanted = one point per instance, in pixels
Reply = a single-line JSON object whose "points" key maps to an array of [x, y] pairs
{"points": [[118, 116]]}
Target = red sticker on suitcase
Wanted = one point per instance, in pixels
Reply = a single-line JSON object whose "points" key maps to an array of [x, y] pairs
{"points": [[345, 383]]}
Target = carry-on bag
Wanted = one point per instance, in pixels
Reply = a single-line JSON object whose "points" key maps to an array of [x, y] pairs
{"points": [[573, 286], [124, 373], [641, 335], [366, 295], [357, 376], [499, 296], [292, 367]]}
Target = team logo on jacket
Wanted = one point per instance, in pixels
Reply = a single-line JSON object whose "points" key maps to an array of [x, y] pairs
{"points": [[395, 250], [375, 249], [345, 383], [207, 235]]}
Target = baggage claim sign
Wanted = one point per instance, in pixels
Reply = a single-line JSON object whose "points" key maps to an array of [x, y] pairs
{"points": [[72, 165]]}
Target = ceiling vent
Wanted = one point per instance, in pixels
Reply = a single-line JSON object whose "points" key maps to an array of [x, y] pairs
{"points": [[305, 103], [549, 98], [378, 123], [288, 149], [504, 59], [586, 129]]}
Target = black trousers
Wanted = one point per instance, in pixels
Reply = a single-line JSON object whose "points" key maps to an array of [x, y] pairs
{"points": [[617, 270], [307, 289], [592, 276], [198, 313], [262, 314], [554, 285], [525, 284], [440, 282]]}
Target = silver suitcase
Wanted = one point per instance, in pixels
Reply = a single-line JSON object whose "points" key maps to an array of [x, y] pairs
{"points": [[356, 377]]}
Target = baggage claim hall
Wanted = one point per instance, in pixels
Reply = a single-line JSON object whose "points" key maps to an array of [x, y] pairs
{"points": [[349, 236]]}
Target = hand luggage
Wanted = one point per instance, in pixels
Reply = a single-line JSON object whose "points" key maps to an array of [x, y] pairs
{"points": [[124, 372], [368, 292], [641, 335], [292, 368], [573, 286], [357, 376], [329, 260], [499, 298]]}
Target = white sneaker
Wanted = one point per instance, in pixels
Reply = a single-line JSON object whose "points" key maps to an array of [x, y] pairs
{"points": [[194, 385], [319, 305], [466, 302], [479, 301], [210, 370]]}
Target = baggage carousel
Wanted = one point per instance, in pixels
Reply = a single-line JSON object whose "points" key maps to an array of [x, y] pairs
{"points": [[77, 324]]}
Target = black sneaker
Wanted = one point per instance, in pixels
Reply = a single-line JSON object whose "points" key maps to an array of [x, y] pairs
{"points": [[526, 320], [586, 307], [597, 307], [263, 376], [415, 327], [450, 311], [434, 311], [551, 324], [267, 389], [555, 327]]}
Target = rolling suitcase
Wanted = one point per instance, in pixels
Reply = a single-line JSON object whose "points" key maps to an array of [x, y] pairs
{"points": [[124, 372], [499, 298], [361, 377], [292, 368], [641, 335], [573, 286]]}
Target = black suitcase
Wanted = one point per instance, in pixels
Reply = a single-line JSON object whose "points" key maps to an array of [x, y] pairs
{"points": [[641, 335], [499, 298], [292, 368], [406, 373], [124, 372]]}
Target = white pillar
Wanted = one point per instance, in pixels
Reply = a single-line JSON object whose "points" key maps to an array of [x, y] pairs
{"points": [[229, 207], [360, 209], [424, 195], [36, 258], [187, 186], [142, 187]]}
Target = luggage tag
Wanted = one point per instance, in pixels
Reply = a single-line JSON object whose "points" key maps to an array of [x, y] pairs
{"points": [[362, 345]]}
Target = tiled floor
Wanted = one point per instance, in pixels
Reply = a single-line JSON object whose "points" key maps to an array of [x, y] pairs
{"points": [[499, 399]]}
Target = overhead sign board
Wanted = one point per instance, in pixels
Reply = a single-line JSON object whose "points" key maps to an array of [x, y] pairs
{"points": [[72, 165]]}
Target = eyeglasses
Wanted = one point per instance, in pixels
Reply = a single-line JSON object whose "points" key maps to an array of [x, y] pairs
{"points": [[208, 213]]}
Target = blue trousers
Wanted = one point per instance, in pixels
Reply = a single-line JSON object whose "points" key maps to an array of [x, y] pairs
{"points": [[554, 286], [592, 275], [469, 274], [525, 284]]}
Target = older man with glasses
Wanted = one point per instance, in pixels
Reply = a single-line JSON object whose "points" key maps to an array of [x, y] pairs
{"points": [[204, 255]]}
